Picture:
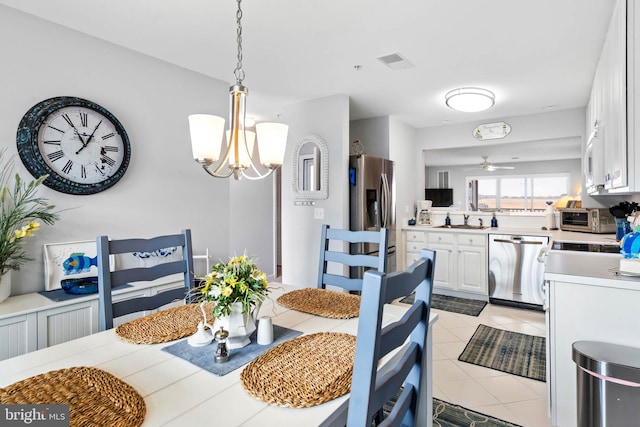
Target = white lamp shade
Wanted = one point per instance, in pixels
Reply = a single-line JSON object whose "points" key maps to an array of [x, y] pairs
{"points": [[206, 136], [470, 99], [245, 151], [272, 141]]}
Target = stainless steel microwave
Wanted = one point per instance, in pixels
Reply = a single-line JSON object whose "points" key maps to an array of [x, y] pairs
{"points": [[588, 220]]}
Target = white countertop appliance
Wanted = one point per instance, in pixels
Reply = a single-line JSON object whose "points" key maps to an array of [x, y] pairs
{"points": [[424, 212]]}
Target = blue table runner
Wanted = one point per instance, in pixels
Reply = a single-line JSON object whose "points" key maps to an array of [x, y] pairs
{"points": [[203, 356]]}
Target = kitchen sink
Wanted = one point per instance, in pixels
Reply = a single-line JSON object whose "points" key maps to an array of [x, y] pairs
{"points": [[464, 226]]}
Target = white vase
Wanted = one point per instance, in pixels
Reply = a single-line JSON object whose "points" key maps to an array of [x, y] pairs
{"points": [[239, 325], [5, 286]]}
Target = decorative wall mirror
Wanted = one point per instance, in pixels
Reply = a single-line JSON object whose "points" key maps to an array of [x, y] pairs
{"points": [[311, 168]]}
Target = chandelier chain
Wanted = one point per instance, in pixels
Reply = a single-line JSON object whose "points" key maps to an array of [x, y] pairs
{"points": [[239, 72]]}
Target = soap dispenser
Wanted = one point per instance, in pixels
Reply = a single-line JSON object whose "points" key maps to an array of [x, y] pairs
{"points": [[494, 221], [447, 220]]}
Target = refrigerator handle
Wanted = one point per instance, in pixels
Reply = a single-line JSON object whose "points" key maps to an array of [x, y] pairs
{"points": [[385, 200]]}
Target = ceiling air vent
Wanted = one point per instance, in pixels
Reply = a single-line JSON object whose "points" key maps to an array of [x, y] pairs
{"points": [[395, 61]]}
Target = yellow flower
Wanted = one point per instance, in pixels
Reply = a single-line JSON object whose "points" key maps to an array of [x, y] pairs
{"points": [[20, 233], [33, 225], [244, 287], [227, 291], [232, 281]]}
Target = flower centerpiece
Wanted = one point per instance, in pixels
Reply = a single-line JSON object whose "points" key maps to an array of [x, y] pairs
{"points": [[20, 212], [238, 288]]}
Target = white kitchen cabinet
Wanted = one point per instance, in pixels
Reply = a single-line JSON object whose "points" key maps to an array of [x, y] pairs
{"points": [[607, 111], [31, 322], [461, 261], [471, 263], [584, 312], [613, 86], [18, 335], [633, 96], [414, 242]]}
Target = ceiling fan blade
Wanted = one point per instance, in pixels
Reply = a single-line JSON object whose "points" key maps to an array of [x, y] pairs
{"points": [[503, 167]]}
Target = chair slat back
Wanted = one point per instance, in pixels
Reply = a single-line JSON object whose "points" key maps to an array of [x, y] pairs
{"points": [[402, 374], [377, 261], [107, 279]]}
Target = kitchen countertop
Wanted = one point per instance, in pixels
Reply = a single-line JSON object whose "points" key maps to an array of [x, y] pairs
{"points": [[589, 268], [555, 235]]}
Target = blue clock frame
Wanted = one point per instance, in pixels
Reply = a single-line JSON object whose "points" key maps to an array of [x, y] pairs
{"points": [[32, 157]]}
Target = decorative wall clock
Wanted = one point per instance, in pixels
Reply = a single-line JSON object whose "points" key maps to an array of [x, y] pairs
{"points": [[81, 146]]}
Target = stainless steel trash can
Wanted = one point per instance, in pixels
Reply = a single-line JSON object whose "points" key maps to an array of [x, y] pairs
{"points": [[608, 384]]}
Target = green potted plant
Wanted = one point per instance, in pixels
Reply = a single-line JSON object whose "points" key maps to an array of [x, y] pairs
{"points": [[21, 211], [238, 288]]}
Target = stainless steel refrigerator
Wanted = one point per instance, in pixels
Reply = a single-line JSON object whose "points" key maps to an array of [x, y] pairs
{"points": [[372, 204]]}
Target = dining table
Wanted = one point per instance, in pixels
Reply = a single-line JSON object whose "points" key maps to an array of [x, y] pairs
{"points": [[178, 393]]}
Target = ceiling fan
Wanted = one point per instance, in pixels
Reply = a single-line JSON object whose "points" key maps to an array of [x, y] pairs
{"points": [[488, 166]]}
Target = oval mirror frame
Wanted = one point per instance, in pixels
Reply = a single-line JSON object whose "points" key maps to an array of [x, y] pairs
{"points": [[298, 191]]}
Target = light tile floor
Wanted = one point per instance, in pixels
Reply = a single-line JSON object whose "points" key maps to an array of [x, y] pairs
{"points": [[509, 397]]}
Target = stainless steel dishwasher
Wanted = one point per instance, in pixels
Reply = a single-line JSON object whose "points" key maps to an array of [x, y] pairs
{"points": [[515, 275]]}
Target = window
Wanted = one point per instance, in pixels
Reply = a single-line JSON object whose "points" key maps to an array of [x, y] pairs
{"points": [[520, 193]]}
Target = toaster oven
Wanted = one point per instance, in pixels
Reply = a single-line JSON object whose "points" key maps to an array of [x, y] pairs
{"points": [[587, 220]]}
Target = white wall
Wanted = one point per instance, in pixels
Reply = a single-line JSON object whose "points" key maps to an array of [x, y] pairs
{"points": [[164, 190], [373, 135], [328, 118]]}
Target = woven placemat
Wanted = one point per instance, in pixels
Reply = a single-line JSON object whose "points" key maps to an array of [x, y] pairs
{"points": [[95, 397], [322, 302], [165, 325], [305, 371]]}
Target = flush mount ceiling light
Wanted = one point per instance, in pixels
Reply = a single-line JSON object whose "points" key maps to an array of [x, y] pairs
{"points": [[470, 99], [238, 157]]}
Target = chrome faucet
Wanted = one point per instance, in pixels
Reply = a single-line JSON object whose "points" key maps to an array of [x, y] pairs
{"points": [[466, 219]]}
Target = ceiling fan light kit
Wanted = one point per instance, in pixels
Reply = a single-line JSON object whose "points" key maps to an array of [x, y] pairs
{"points": [[488, 166], [470, 99]]}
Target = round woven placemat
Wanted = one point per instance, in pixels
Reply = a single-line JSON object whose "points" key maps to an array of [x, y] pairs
{"points": [[302, 372], [95, 397], [165, 325], [322, 302]]}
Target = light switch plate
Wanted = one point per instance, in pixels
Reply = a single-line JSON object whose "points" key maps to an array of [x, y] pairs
{"points": [[318, 213]]}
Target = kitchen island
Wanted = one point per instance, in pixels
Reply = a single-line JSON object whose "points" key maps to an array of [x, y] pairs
{"points": [[586, 300]]}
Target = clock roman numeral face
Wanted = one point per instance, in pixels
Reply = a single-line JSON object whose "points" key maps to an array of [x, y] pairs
{"points": [[81, 145]]}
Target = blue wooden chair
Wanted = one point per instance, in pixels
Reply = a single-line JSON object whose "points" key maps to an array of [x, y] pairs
{"points": [[108, 279], [350, 280], [402, 375]]}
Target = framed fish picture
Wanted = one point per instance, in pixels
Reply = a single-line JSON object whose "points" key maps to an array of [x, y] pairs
{"points": [[70, 260]]}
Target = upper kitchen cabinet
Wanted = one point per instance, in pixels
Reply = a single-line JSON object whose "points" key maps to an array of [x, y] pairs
{"points": [[605, 161], [633, 95], [613, 113]]}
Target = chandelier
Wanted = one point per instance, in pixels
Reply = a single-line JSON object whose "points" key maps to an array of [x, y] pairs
{"points": [[238, 157]]}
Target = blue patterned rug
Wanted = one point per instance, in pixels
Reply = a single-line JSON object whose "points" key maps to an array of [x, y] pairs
{"points": [[466, 306], [447, 414], [506, 351]]}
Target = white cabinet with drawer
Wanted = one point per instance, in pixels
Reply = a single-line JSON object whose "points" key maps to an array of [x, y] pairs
{"points": [[461, 259], [415, 241]]}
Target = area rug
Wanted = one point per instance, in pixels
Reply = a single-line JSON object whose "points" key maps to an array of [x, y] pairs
{"points": [[446, 414], [470, 307], [506, 351]]}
